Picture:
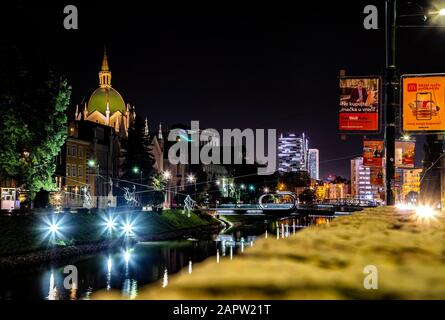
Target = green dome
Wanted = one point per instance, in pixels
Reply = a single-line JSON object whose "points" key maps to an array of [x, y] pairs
{"points": [[99, 98]]}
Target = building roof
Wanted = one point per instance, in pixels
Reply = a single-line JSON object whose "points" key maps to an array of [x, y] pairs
{"points": [[103, 96]]}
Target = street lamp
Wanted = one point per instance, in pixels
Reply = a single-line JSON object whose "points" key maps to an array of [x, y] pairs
{"points": [[191, 179], [136, 170], [391, 84], [167, 175], [94, 164]]}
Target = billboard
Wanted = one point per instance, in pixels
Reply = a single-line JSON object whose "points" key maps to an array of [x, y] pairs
{"points": [[376, 177], [359, 107], [373, 153], [423, 103], [404, 154]]}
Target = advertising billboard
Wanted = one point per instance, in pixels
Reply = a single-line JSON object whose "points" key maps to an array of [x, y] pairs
{"points": [[423, 103], [359, 107], [376, 177], [373, 153], [404, 154]]}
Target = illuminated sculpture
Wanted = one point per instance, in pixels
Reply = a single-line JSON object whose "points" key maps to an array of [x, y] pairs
{"points": [[130, 197], [189, 204], [87, 199]]}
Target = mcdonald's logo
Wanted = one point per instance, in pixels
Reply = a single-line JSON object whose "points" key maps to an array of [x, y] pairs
{"points": [[412, 87]]}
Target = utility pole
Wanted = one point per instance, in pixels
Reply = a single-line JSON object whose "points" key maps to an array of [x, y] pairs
{"points": [[391, 83]]}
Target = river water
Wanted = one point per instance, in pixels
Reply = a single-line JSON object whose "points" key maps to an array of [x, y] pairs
{"points": [[128, 268]]}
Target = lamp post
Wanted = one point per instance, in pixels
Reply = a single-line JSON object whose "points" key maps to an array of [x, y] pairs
{"points": [[391, 87], [93, 164], [136, 170], [192, 179]]}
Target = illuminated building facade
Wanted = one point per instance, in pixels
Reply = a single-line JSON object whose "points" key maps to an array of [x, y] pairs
{"points": [[292, 153]]}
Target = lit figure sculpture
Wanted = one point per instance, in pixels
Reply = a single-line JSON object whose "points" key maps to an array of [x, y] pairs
{"points": [[87, 199], [130, 196], [189, 204]]}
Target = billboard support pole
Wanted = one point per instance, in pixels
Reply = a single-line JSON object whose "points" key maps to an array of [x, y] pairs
{"points": [[390, 104]]}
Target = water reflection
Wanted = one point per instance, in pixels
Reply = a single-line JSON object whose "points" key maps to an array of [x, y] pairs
{"points": [[109, 268], [165, 279], [132, 266]]}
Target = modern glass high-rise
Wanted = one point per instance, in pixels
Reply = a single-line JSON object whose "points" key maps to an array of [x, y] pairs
{"points": [[314, 163], [292, 153]]}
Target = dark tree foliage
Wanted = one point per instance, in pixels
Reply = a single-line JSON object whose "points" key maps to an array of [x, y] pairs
{"points": [[33, 102], [138, 164], [307, 196], [294, 180]]}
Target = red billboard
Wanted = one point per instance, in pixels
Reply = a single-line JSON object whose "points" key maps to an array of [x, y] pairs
{"points": [[377, 178], [373, 153], [404, 154], [359, 108]]}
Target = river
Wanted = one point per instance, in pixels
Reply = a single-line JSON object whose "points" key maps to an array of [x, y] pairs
{"points": [[128, 268]]}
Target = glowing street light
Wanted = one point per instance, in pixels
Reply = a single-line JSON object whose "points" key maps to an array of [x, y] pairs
{"points": [[167, 175], [136, 169], [91, 163], [251, 187], [53, 227], [266, 190], [192, 179], [243, 186], [424, 212]]}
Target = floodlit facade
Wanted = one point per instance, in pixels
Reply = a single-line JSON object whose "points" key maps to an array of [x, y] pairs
{"points": [[361, 180], [314, 164], [293, 153]]}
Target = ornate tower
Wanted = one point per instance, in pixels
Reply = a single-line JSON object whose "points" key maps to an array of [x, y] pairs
{"points": [[105, 73]]}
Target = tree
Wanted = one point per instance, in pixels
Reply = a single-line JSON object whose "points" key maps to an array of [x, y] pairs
{"points": [[33, 102], [307, 196], [294, 180], [138, 163]]}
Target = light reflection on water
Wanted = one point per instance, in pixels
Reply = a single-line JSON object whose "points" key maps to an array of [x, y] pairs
{"points": [[129, 268]]}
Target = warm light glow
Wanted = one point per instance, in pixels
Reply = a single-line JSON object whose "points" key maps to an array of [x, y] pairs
{"points": [[57, 196], [442, 12], [266, 190], [191, 178], [406, 137], [405, 206], [424, 212], [166, 175]]}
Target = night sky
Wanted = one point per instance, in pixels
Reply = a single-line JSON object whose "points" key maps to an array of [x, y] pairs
{"points": [[271, 66]]}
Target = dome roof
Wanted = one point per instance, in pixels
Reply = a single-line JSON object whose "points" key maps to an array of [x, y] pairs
{"points": [[99, 98]]}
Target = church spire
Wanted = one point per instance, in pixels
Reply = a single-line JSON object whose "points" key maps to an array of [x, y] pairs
{"points": [[105, 73], [105, 61], [146, 128], [160, 132]]}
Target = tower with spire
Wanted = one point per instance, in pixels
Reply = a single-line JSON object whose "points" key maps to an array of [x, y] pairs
{"points": [[106, 105], [105, 73]]}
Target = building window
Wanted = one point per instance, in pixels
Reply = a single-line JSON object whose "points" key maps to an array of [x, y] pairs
{"points": [[79, 171], [74, 153], [68, 170], [68, 150], [73, 170], [80, 152]]}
